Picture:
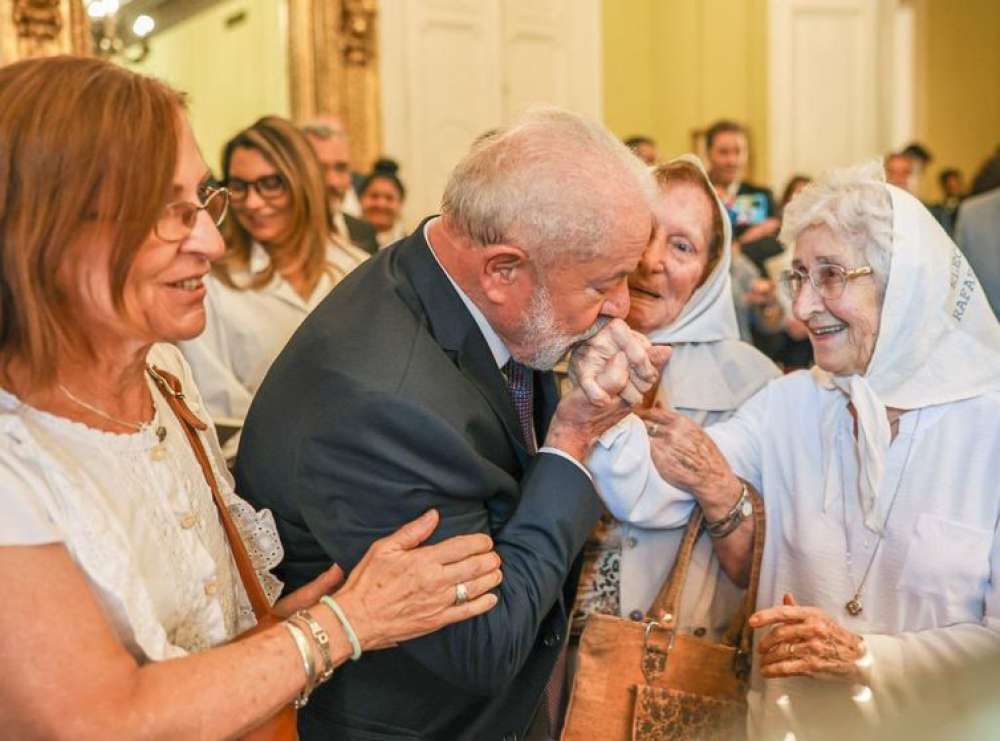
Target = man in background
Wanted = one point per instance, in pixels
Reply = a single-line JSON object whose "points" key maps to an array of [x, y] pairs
{"points": [[644, 148], [920, 159], [332, 148], [751, 207], [952, 191], [899, 171]]}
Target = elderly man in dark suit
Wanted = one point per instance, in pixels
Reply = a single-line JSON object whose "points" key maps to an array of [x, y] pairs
{"points": [[424, 381]]}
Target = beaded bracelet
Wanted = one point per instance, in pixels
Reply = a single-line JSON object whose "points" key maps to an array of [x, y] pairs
{"points": [[351, 635], [308, 663], [305, 619]]}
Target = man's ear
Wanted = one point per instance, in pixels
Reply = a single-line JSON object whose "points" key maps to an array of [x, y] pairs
{"points": [[505, 269]]}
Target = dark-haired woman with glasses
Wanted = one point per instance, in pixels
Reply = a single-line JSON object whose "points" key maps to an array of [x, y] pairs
{"points": [[280, 261], [121, 598]]}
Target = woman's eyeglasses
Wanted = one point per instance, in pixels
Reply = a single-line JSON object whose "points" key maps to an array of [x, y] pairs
{"points": [[269, 187], [178, 219], [829, 281]]}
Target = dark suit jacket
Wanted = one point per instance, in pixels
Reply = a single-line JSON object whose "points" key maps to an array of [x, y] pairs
{"points": [[388, 401], [361, 233]]}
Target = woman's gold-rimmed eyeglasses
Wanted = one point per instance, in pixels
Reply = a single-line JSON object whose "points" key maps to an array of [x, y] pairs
{"points": [[178, 219], [828, 280]]}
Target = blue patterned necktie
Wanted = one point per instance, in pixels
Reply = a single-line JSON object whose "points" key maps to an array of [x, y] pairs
{"points": [[520, 381]]}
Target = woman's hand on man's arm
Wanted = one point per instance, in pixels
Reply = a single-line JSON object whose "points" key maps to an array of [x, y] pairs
{"points": [[65, 674]]}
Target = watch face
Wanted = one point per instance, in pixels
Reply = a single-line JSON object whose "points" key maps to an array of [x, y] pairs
{"points": [[747, 509]]}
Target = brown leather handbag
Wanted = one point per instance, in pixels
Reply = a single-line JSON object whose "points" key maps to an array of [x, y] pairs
{"points": [[284, 725], [644, 681]]}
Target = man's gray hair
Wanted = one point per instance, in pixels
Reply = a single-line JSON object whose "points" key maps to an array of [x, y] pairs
{"points": [[323, 131], [554, 183], [854, 204]]}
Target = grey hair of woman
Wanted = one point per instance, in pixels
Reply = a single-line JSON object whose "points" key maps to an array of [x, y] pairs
{"points": [[553, 183], [854, 204]]}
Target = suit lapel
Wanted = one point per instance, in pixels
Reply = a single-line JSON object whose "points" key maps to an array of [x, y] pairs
{"points": [[426, 288]]}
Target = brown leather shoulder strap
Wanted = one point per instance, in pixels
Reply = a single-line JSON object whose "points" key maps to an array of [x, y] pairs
{"points": [[171, 389], [667, 600]]}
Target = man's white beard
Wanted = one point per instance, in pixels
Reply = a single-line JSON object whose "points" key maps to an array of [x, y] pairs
{"points": [[548, 343]]}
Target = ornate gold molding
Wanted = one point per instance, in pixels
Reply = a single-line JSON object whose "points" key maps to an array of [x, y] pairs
{"points": [[37, 28], [333, 69]]}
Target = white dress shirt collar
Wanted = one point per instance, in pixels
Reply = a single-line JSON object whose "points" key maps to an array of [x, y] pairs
{"points": [[500, 352], [340, 225]]}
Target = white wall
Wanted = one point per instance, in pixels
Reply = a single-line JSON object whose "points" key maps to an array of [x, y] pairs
{"points": [[838, 82], [453, 69], [232, 62]]}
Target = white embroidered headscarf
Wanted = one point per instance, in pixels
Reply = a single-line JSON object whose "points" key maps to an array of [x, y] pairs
{"points": [[938, 342], [710, 367]]}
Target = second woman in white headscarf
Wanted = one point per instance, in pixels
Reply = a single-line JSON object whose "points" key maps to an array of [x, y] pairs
{"points": [[680, 295]]}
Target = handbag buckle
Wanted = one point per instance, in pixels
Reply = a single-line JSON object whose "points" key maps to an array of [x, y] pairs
{"points": [[654, 658], [741, 664]]}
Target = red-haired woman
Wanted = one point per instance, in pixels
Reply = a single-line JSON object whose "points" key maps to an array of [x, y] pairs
{"points": [[120, 591]]}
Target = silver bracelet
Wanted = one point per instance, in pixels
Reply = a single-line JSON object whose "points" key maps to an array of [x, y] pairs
{"points": [[305, 620], [308, 663], [734, 518]]}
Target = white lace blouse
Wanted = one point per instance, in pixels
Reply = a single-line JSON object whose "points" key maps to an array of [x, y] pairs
{"points": [[145, 532]]}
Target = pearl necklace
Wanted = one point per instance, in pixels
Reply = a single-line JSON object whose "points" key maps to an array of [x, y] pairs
{"points": [[158, 451]]}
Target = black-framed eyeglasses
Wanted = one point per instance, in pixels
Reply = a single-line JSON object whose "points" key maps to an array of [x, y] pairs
{"points": [[829, 281], [178, 219], [268, 187]]}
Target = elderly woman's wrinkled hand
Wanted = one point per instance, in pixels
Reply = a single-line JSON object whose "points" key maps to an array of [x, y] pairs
{"points": [[645, 362], [807, 642], [687, 457], [399, 591]]}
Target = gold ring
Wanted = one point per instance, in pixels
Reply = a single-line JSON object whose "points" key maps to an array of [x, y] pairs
{"points": [[461, 594], [789, 648]]}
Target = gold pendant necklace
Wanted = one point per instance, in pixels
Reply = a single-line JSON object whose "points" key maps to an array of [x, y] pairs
{"points": [[158, 452], [854, 605]]}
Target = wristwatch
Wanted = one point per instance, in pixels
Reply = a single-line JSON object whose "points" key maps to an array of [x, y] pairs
{"points": [[739, 512]]}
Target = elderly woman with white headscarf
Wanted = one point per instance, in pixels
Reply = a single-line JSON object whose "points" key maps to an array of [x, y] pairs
{"points": [[680, 295], [879, 469]]}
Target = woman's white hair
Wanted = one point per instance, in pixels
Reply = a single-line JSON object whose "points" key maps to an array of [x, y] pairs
{"points": [[555, 183], [854, 204]]}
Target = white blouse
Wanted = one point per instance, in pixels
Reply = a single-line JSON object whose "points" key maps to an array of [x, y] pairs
{"points": [[144, 532], [246, 329], [931, 601]]}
